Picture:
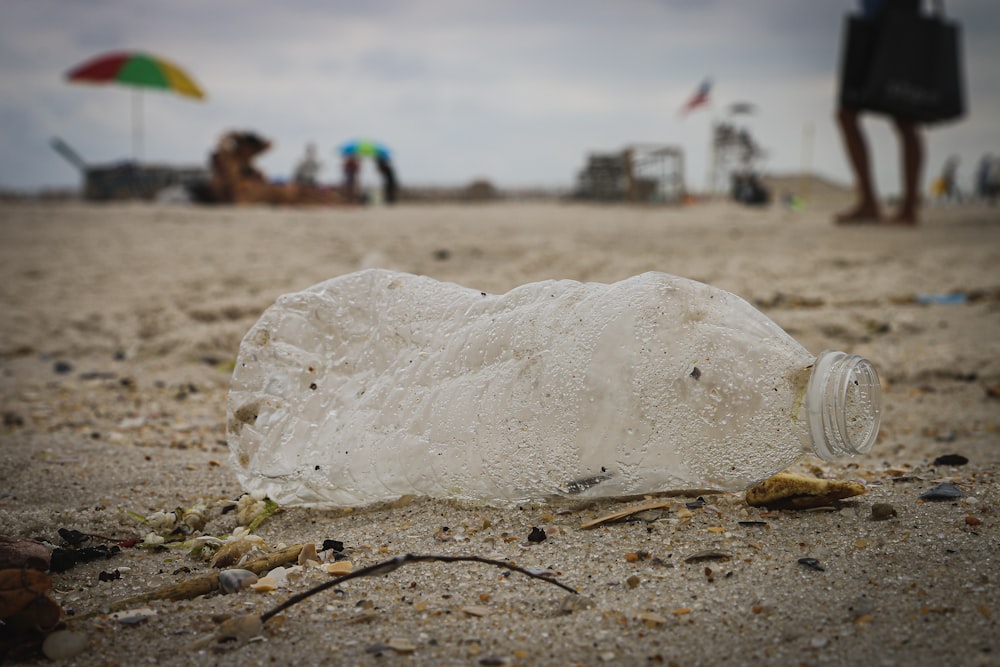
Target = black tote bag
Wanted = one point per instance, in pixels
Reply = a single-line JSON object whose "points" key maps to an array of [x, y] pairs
{"points": [[906, 65]]}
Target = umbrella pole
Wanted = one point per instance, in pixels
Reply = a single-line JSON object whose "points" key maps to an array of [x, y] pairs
{"points": [[137, 125], [136, 176]]}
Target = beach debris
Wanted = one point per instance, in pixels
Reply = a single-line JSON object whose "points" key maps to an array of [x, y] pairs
{"points": [[401, 645], [477, 610], [575, 602], [235, 580], [308, 554], [792, 491], [339, 567], [882, 511], [25, 604], [708, 554], [697, 503], [812, 564], [235, 548], [951, 460], [64, 644], [64, 559], [21, 552], [387, 566], [626, 512], [232, 633], [651, 618], [203, 584], [943, 491], [133, 616], [537, 535]]}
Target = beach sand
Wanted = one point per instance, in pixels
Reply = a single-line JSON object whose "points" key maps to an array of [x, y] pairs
{"points": [[121, 323]]}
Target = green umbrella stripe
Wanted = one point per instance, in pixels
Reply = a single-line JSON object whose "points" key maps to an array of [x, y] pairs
{"points": [[141, 69]]}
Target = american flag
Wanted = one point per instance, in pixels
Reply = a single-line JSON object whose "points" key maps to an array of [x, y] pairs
{"points": [[700, 97]]}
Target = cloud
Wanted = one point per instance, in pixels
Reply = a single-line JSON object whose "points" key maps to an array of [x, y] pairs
{"points": [[516, 91]]}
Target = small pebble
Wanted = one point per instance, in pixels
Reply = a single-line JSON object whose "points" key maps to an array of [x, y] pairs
{"points": [[708, 554], [812, 563], [234, 581], [951, 460], [882, 511], [695, 504], [64, 644], [943, 491], [401, 645]]}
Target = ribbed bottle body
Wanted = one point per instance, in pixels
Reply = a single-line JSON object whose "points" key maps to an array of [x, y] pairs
{"points": [[380, 384]]}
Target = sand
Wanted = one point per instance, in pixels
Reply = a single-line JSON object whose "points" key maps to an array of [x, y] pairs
{"points": [[121, 322]]}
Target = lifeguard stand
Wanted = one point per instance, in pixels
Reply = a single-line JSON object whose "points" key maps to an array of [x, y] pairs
{"points": [[639, 173]]}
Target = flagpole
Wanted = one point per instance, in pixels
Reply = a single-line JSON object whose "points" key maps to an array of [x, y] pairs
{"points": [[807, 145], [712, 157]]}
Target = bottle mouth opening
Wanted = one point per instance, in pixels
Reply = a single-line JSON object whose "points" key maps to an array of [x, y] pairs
{"points": [[844, 405]]}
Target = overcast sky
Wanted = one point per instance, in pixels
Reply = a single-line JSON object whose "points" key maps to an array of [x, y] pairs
{"points": [[514, 91]]}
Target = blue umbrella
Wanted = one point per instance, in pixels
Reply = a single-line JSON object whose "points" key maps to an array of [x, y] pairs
{"points": [[365, 147]]}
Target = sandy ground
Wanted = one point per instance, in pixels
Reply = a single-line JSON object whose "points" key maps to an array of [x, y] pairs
{"points": [[120, 324]]}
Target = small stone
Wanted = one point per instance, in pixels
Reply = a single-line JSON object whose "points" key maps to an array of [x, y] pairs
{"points": [[882, 511], [943, 491], [632, 581], [62, 367], [235, 580], [64, 644], [401, 645], [812, 564], [477, 610], [573, 603], [951, 460], [650, 618], [133, 616], [237, 631]]}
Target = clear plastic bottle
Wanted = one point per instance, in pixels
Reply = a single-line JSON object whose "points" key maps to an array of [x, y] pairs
{"points": [[378, 384]]}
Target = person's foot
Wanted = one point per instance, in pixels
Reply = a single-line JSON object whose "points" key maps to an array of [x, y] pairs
{"points": [[862, 214], [904, 219]]}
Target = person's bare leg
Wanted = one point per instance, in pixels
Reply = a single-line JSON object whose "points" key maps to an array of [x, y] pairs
{"points": [[867, 208], [913, 162]]}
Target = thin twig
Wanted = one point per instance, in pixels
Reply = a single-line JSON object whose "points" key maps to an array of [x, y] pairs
{"points": [[385, 567]]}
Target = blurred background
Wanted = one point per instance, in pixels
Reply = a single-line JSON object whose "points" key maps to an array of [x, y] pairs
{"points": [[515, 94]]}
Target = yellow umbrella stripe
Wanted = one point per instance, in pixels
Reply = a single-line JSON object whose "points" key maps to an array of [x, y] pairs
{"points": [[179, 81]]}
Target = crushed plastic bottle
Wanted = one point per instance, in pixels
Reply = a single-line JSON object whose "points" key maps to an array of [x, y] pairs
{"points": [[378, 384]]}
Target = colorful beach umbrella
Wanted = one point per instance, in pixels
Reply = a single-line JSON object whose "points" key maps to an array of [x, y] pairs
{"points": [[138, 70], [364, 148]]}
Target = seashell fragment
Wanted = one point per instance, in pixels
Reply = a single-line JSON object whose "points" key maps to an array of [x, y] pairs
{"points": [[790, 491], [265, 585], [340, 567], [235, 580], [308, 554]]}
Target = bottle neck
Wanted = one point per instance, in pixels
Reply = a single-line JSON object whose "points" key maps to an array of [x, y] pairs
{"points": [[844, 405]]}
